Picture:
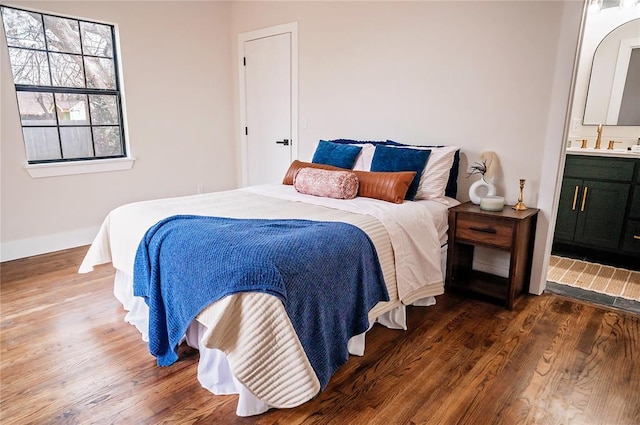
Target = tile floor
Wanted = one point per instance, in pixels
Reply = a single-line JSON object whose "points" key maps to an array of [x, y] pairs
{"points": [[594, 297]]}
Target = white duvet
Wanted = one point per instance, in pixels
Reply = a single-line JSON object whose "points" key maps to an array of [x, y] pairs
{"points": [[247, 343]]}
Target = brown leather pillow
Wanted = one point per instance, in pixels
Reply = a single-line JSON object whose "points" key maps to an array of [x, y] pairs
{"points": [[298, 165], [386, 186]]}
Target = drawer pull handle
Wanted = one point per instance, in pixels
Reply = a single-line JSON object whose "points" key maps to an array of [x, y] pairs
{"points": [[483, 229], [636, 236], [575, 198], [584, 198]]}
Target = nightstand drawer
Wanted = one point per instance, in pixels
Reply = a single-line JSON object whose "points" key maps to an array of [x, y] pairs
{"points": [[485, 230]]}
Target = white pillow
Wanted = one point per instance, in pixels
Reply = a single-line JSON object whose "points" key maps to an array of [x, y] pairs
{"points": [[433, 182], [435, 176], [364, 158]]}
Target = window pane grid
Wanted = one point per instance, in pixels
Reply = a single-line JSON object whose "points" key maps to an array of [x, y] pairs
{"points": [[76, 73], [86, 55], [96, 130]]}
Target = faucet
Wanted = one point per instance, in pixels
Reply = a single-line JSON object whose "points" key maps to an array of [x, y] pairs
{"points": [[599, 139], [611, 144]]}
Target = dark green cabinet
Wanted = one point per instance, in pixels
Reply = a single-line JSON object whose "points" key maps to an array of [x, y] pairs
{"points": [[591, 212], [631, 236], [596, 197], [602, 212], [568, 208], [634, 212]]}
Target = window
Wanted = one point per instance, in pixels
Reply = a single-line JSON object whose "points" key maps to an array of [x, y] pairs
{"points": [[66, 77]]}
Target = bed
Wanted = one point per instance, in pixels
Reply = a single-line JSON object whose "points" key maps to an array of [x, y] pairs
{"points": [[248, 344]]}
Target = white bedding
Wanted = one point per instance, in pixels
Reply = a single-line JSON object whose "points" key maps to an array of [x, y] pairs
{"points": [[267, 371]]}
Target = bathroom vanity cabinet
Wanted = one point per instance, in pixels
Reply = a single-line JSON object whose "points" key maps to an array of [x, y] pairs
{"points": [[599, 204], [631, 236]]}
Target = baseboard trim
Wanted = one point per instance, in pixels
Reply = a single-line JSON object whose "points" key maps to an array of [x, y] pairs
{"points": [[24, 248]]}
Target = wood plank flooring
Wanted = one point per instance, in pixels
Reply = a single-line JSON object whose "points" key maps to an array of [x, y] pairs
{"points": [[67, 357]]}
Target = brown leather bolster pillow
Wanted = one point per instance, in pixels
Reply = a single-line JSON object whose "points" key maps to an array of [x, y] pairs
{"points": [[296, 166], [386, 186]]}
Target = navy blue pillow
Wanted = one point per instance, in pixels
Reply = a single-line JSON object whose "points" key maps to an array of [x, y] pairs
{"points": [[360, 142], [452, 184], [338, 155], [386, 158]]}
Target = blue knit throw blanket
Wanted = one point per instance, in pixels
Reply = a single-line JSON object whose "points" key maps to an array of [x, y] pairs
{"points": [[327, 274]]}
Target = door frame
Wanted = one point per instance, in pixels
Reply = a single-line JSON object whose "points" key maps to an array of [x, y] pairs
{"points": [[291, 28], [553, 158]]}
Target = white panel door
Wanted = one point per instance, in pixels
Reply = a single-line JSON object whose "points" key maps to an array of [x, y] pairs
{"points": [[267, 67]]}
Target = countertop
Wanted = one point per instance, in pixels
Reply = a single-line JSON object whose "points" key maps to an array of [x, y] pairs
{"points": [[618, 153]]}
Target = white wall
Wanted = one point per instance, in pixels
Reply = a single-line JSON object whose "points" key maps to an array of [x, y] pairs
{"points": [[481, 75], [178, 94], [475, 74]]}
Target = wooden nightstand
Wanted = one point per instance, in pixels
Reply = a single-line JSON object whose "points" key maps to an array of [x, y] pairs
{"points": [[507, 230]]}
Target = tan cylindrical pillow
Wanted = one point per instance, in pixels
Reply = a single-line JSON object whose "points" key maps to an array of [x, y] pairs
{"points": [[296, 166], [383, 185], [326, 183]]}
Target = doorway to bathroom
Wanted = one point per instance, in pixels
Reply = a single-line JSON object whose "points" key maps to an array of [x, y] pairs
{"points": [[587, 270]]}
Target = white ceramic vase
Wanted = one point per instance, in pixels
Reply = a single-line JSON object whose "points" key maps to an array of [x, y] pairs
{"points": [[480, 189]]}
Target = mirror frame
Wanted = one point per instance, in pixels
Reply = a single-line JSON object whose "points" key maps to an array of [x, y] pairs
{"points": [[609, 82]]}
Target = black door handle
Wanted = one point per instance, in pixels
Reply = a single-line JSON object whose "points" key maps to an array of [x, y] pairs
{"points": [[483, 229], [283, 142]]}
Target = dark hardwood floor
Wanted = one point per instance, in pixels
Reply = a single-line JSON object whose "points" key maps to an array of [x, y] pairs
{"points": [[67, 357]]}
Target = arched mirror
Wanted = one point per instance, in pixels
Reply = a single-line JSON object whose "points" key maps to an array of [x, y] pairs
{"points": [[613, 96]]}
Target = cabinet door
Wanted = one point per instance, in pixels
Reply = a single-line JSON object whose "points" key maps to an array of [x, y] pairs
{"points": [[634, 212], [631, 238], [568, 209], [601, 209]]}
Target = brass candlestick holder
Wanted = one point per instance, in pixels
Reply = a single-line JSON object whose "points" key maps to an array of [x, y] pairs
{"points": [[520, 206]]}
